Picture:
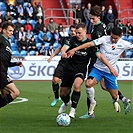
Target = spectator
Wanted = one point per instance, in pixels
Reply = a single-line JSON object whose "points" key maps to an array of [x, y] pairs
{"points": [[32, 47], [87, 17], [60, 27], [43, 51], [51, 25], [103, 14], [79, 14], [22, 44], [12, 9], [110, 18], [82, 10], [129, 28], [50, 50], [40, 13], [77, 21], [29, 11], [29, 34], [20, 11], [21, 33], [35, 11], [45, 35], [39, 26], [28, 26], [8, 16], [18, 25], [63, 33], [56, 36]]}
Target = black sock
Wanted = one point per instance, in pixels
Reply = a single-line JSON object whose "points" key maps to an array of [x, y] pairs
{"points": [[7, 99], [88, 103], [56, 90], [75, 98], [120, 95], [66, 99], [0, 96]]}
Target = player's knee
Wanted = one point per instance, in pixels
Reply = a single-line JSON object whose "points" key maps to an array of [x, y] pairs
{"points": [[55, 80], [89, 83], [16, 94], [77, 87]]}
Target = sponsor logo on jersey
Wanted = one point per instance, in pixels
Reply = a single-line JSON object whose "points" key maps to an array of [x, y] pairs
{"points": [[113, 47], [8, 49]]}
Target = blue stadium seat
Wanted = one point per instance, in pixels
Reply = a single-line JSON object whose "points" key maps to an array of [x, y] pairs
{"points": [[12, 39], [128, 53], [23, 53], [68, 30], [38, 45], [130, 39], [3, 13], [56, 45], [14, 46], [32, 52], [124, 37], [23, 21], [15, 53], [14, 21], [33, 23], [46, 45], [2, 6], [25, 4]]}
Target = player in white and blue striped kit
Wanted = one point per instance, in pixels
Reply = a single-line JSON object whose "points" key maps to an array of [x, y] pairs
{"points": [[111, 47]]}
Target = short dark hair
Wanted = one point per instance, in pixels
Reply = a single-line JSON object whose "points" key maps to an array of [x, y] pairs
{"points": [[72, 26], [6, 24], [117, 31], [81, 25], [95, 11]]}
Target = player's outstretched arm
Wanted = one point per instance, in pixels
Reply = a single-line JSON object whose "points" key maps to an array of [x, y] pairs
{"points": [[63, 51], [83, 46], [105, 61], [12, 64], [56, 52]]}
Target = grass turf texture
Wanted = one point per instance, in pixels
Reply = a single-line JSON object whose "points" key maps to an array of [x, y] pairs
{"points": [[36, 115]]}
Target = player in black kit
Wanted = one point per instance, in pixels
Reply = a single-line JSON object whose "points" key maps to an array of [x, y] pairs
{"points": [[9, 91], [58, 73], [74, 70]]}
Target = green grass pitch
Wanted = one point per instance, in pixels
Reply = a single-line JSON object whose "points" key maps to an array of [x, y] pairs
{"points": [[36, 115]]}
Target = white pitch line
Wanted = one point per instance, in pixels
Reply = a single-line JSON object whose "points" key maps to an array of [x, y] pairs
{"points": [[19, 100]]}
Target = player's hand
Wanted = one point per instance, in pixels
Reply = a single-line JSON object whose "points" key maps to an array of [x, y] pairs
{"points": [[70, 53], [19, 64], [49, 60], [114, 72], [64, 55]]}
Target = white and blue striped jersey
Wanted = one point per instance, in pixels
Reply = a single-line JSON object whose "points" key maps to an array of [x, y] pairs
{"points": [[110, 51]]}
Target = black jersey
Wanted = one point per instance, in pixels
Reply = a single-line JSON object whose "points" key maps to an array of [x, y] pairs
{"points": [[98, 30], [5, 54], [81, 57], [65, 40]]}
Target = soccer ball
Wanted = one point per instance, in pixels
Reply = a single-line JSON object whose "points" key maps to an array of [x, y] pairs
{"points": [[63, 119]]}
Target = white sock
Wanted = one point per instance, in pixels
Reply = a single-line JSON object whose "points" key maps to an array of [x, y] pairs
{"points": [[91, 94], [113, 100]]}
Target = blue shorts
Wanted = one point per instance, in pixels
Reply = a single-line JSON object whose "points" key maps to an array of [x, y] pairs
{"points": [[109, 80]]}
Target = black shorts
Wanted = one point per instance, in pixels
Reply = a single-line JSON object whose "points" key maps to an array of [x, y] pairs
{"points": [[4, 80], [70, 76], [58, 71]]}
